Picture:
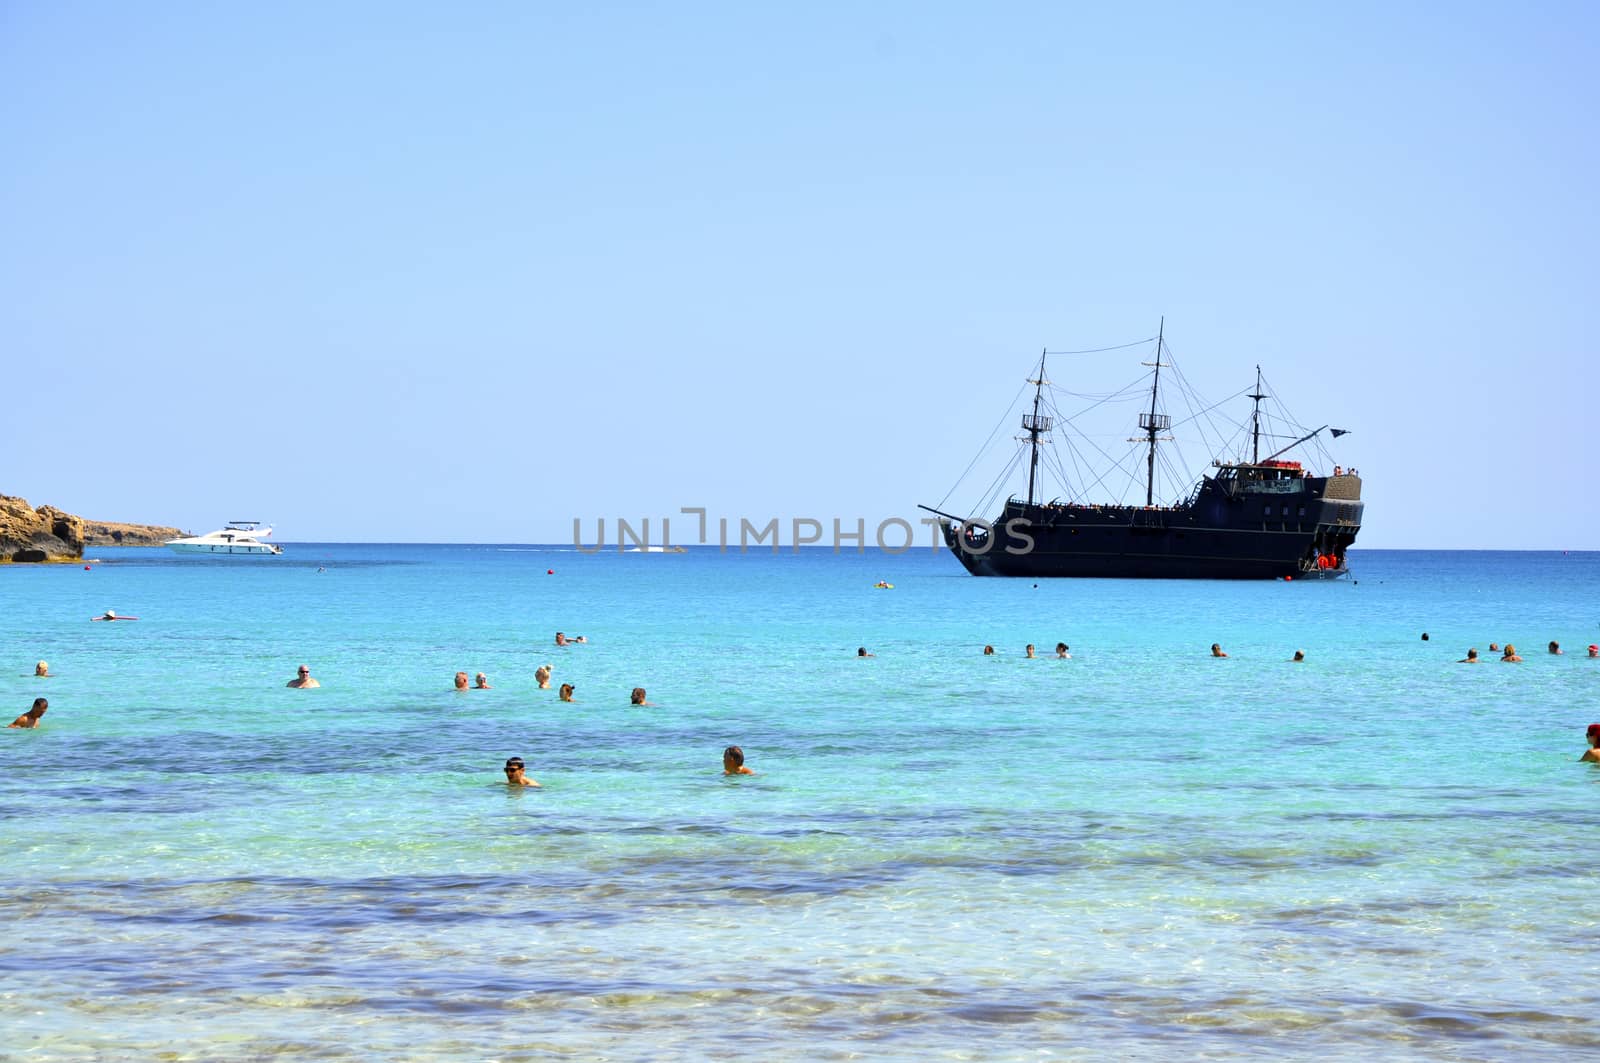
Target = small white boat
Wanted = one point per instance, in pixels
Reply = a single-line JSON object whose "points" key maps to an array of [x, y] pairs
{"points": [[239, 537]]}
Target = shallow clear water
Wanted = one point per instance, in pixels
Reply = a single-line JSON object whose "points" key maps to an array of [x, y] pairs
{"points": [[1142, 850]]}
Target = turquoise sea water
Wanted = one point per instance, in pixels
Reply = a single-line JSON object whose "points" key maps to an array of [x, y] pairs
{"points": [[1142, 851]]}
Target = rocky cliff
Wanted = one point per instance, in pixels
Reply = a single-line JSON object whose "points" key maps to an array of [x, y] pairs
{"points": [[48, 534], [107, 533]]}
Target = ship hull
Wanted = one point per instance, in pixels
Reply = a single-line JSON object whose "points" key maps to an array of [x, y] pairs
{"points": [[1256, 528], [1122, 554], [225, 549]]}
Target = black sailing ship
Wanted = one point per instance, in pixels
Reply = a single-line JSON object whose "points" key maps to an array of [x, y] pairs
{"points": [[1265, 518]]}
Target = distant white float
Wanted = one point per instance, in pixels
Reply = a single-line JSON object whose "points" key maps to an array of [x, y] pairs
{"points": [[239, 538]]}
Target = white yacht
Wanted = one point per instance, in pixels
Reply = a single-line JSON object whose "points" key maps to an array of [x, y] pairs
{"points": [[239, 537]]}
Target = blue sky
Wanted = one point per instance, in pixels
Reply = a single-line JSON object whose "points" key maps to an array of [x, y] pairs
{"points": [[466, 272]]}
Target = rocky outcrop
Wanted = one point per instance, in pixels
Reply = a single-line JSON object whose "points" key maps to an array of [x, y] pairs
{"points": [[48, 534], [108, 533], [43, 534]]}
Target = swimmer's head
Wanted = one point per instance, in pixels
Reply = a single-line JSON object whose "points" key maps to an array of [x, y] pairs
{"points": [[1299, 655], [1593, 733], [861, 651], [514, 765], [42, 668], [733, 757], [1061, 647], [39, 705], [637, 697], [988, 651]]}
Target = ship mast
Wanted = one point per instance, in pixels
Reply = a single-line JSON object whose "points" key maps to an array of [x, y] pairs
{"points": [[1255, 422], [1035, 425], [1153, 422]]}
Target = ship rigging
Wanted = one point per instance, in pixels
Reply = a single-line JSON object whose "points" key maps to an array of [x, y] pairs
{"points": [[1249, 517]]}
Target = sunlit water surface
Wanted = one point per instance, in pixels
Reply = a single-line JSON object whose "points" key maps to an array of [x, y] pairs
{"points": [[1141, 851]]}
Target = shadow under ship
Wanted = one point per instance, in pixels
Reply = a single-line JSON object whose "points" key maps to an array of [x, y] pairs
{"points": [[1266, 518]]}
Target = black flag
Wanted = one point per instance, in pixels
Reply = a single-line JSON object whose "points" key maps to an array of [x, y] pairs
{"points": [[1337, 432]]}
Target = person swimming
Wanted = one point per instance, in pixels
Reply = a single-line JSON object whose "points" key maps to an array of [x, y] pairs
{"points": [[1028, 651], [1216, 650], [30, 719], [1510, 655], [637, 698], [42, 670], [1470, 658], [542, 676], [1594, 650], [302, 679], [1592, 753], [566, 691], [516, 773], [1299, 655], [733, 762], [1061, 652], [461, 681], [562, 640], [862, 652], [1555, 647], [481, 682]]}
